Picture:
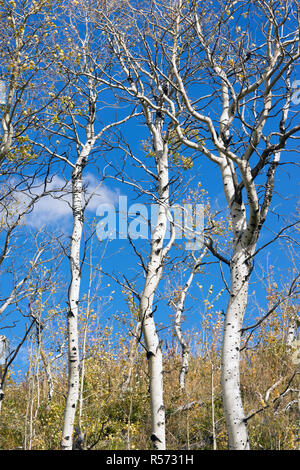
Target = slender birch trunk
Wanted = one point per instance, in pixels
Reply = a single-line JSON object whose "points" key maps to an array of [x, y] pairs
{"points": [[213, 408], [291, 334], [72, 317], [153, 276], [75, 264], [185, 349], [155, 363]]}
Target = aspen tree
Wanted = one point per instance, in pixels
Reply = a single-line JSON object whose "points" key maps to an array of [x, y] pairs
{"points": [[239, 76], [70, 118], [144, 88], [245, 135]]}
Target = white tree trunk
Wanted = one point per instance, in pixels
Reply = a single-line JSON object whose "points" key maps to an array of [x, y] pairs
{"points": [[72, 318], [153, 276], [185, 349], [154, 356], [233, 407], [291, 334]]}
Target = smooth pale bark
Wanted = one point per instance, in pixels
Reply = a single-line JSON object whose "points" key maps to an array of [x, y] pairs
{"points": [[1, 397], [244, 238], [233, 406], [83, 353], [155, 362], [152, 343], [78, 207], [185, 349], [185, 352], [238, 176], [153, 276], [72, 317], [245, 234], [291, 331], [6, 119]]}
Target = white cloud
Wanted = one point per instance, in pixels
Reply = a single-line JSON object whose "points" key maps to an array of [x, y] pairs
{"points": [[55, 208]]}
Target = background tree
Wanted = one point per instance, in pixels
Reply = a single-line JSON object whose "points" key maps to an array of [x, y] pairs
{"points": [[73, 117]]}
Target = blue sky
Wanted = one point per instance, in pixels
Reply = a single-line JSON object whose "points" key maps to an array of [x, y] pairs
{"points": [[53, 214]]}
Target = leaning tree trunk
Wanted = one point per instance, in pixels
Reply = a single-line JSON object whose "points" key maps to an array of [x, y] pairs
{"points": [[72, 317]]}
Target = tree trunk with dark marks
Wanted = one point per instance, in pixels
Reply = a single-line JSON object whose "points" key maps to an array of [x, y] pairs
{"points": [[72, 317], [233, 406], [153, 276]]}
